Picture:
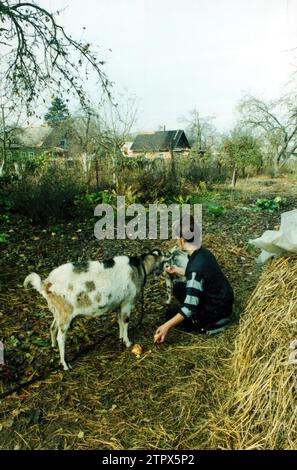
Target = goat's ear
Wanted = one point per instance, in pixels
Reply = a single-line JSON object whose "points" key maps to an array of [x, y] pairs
{"points": [[156, 252], [167, 256]]}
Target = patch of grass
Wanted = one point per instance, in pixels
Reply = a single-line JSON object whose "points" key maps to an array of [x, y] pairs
{"points": [[215, 210]]}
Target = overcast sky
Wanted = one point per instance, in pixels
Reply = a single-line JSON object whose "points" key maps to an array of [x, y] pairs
{"points": [[176, 55]]}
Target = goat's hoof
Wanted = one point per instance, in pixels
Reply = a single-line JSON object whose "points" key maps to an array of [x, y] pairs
{"points": [[293, 344], [66, 366]]}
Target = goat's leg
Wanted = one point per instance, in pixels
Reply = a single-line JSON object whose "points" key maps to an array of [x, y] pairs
{"points": [[120, 323], [169, 284], [54, 330], [123, 318], [61, 337]]}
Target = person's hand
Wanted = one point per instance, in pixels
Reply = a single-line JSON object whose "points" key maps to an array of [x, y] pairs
{"points": [[170, 269], [161, 334], [175, 270], [163, 330]]}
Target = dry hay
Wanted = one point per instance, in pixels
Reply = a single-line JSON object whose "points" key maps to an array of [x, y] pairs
{"points": [[260, 411], [112, 400]]}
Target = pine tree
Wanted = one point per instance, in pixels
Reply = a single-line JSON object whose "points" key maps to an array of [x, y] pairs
{"points": [[57, 112]]}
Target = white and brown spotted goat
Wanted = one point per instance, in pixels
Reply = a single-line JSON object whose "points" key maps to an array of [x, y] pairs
{"points": [[95, 288], [179, 258]]}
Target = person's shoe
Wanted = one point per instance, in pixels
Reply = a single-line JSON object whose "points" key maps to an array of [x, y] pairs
{"points": [[218, 327]]}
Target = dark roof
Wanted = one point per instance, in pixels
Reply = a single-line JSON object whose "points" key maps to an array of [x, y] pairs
{"points": [[160, 141]]}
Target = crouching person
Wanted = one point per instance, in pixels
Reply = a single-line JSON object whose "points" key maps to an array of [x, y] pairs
{"points": [[206, 298]]}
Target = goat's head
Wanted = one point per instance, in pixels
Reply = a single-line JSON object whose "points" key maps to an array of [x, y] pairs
{"points": [[176, 257], [155, 260]]}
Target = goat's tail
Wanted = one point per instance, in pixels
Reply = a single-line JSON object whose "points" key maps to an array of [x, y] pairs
{"points": [[35, 281]]}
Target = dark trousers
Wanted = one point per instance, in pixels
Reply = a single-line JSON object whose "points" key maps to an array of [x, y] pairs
{"points": [[202, 319]]}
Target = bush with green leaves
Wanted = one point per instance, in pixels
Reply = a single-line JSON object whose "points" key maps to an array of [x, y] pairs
{"points": [[215, 210], [3, 238], [271, 205], [86, 202], [241, 149], [6, 203]]}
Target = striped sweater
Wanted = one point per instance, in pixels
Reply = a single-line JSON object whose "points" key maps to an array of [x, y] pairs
{"points": [[207, 288]]}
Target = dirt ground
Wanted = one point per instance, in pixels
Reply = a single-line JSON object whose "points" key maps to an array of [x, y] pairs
{"points": [[111, 399]]}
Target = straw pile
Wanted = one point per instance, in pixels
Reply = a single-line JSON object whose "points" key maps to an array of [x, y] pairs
{"points": [[259, 409]]}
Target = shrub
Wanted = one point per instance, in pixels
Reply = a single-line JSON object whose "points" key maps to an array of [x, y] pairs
{"points": [[51, 195], [3, 238], [155, 184], [271, 205], [196, 170]]}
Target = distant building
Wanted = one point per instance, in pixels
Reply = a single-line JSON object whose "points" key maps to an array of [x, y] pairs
{"points": [[36, 140], [160, 144], [126, 149]]}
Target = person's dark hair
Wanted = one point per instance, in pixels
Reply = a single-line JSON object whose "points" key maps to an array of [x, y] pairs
{"points": [[187, 229]]}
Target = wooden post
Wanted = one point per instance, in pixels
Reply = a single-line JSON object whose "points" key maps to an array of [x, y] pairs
{"points": [[97, 173], [234, 177], [173, 169], [2, 167]]}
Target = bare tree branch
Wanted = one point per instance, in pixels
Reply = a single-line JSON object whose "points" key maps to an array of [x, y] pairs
{"points": [[39, 54], [278, 121]]}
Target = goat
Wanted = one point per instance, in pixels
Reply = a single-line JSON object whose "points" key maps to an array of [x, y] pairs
{"points": [[95, 288], [177, 258]]}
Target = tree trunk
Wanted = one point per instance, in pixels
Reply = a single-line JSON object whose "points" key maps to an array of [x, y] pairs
{"points": [[219, 165], [2, 167], [277, 161], [4, 154], [173, 169], [234, 177], [97, 173], [276, 164], [275, 169], [114, 169]]}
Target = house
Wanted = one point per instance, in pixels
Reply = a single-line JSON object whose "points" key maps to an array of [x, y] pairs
{"points": [[160, 144], [126, 149], [28, 142]]}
